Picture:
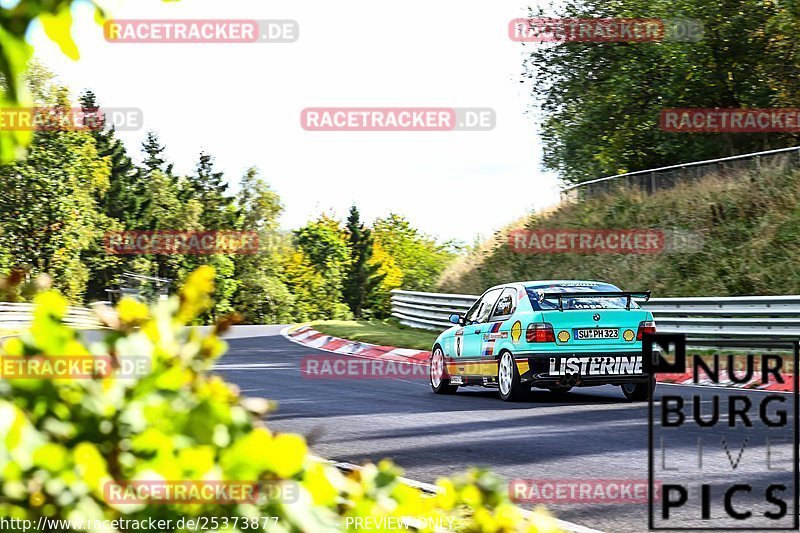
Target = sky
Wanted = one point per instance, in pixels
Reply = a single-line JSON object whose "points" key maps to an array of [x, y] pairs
{"points": [[242, 103]]}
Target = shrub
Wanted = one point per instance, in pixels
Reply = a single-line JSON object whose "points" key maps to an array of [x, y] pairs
{"points": [[63, 440]]}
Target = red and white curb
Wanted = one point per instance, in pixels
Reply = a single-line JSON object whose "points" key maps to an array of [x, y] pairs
{"points": [[754, 384], [312, 338]]}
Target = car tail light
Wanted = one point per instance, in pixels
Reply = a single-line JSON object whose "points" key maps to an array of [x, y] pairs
{"points": [[645, 327], [540, 333]]}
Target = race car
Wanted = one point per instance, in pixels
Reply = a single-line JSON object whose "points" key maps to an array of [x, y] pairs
{"points": [[548, 334]]}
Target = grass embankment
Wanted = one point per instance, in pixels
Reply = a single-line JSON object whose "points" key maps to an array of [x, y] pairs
{"points": [[384, 332], [750, 226]]}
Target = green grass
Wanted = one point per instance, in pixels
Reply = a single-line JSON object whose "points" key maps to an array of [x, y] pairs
{"points": [[748, 227], [384, 332]]}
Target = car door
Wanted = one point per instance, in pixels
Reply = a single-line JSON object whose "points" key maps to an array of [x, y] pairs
{"points": [[474, 325], [460, 334], [503, 309]]}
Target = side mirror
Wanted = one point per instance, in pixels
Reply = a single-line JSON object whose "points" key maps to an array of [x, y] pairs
{"points": [[455, 318]]}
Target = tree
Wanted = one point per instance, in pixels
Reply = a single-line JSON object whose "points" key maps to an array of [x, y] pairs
{"points": [[124, 203], [391, 277], [419, 257], [125, 199], [165, 211], [262, 297], [258, 205], [362, 274], [324, 242], [311, 290], [154, 160], [209, 188], [321, 257], [324, 246], [602, 101], [49, 207]]}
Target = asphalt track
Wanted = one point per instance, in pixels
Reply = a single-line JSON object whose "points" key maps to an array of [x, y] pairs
{"points": [[587, 434]]}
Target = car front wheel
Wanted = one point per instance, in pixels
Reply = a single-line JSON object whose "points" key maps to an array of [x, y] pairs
{"points": [[508, 379], [440, 382]]}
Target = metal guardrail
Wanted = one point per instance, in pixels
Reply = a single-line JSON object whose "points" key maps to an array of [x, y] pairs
{"points": [[20, 315], [651, 180], [742, 317]]}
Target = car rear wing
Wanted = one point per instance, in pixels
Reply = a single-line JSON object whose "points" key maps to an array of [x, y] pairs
{"points": [[640, 295]]}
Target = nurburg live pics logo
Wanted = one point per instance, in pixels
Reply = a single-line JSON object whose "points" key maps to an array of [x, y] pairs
{"points": [[726, 458]]}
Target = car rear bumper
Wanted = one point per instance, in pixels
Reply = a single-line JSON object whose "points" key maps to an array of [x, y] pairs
{"points": [[593, 368]]}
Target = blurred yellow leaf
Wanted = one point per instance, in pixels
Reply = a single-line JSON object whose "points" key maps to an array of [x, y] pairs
{"points": [[286, 454], [59, 27], [99, 15], [132, 312], [91, 465], [50, 456], [319, 485]]}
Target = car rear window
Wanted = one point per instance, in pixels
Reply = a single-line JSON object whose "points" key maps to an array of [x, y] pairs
{"points": [[548, 304]]}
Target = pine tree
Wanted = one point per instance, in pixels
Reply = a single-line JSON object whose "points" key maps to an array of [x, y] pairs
{"points": [[154, 160], [124, 199], [164, 210], [209, 187], [122, 203], [362, 275]]}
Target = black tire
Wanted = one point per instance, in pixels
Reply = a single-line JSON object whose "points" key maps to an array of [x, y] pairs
{"points": [[639, 392], [440, 384], [508, 379]]}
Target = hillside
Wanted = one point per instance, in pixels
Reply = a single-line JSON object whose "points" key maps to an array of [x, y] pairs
{"points": [[749, 225]]}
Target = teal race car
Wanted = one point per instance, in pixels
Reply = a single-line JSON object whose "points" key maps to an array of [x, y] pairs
{"points": [[548, 334]]}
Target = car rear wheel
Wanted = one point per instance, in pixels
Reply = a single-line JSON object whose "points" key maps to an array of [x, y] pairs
{"points": [[639, 392], [440, 382], [508, 379]]}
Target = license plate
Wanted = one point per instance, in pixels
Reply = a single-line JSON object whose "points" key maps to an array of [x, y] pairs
{"points": [[596, 333]]}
